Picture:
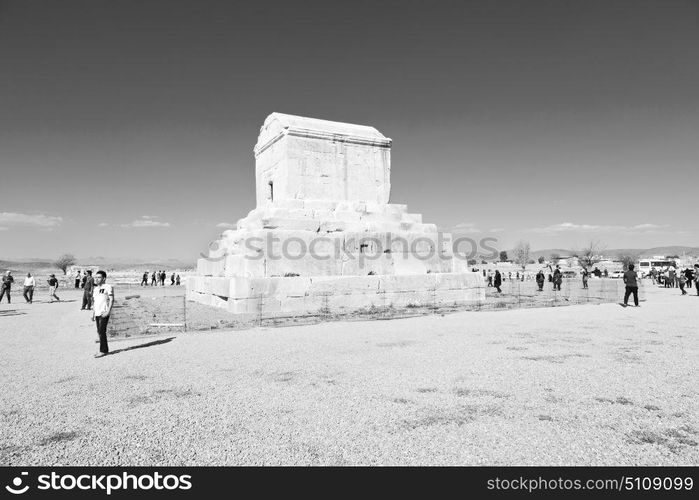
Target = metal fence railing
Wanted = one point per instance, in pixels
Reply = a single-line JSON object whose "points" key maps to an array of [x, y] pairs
{"points": [[143, 311]]}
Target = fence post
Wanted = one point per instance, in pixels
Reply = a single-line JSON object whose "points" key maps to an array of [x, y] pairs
{"points": [[184, 311]]}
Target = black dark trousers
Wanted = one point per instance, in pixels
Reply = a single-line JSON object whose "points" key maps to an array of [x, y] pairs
{"points": [[102, 332], [28, 293], [87, 300], [631, 290], [2, 294]]}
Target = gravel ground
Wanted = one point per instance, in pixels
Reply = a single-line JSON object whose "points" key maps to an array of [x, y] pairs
{"points": [[579, 385]]}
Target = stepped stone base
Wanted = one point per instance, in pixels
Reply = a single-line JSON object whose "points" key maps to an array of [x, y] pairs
{"points": [[340, 294]]}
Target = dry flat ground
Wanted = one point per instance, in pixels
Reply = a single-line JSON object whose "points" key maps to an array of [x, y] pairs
{"points": [[578, 385]]}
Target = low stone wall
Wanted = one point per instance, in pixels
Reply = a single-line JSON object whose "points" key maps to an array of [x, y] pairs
{"points": [[335, 294]]}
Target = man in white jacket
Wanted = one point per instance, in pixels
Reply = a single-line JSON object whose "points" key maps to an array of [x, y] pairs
{"points": [[29, 284]]}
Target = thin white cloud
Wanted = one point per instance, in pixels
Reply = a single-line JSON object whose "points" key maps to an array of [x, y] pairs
{"points": [[147, 221], [3, 228], [464, 227], [496, 230], [13, 219], [226, 225], [102, 224], [572, 227]]}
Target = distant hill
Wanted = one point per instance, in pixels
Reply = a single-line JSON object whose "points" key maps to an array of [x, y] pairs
{"points": [[30, 265]]}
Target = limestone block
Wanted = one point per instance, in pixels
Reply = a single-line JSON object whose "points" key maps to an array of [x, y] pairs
{"points": [[320, 205], [347, 216], [218, 286], [343, 284], [307, 224], [454, 281], [297, 286], [406, 264], [407, 283], [414, 218], [331, 226]]}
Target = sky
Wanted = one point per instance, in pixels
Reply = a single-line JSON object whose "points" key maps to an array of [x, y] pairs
{"points": [[127, 127]]}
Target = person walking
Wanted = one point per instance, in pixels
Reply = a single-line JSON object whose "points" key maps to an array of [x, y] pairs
{"points": [[497, 281], [103, 300], [557, 278], [682, 281], [631, 282], [688, 276], [77, 279], [163, 277], [696, 278], [172, 279], [87, 291], [29, 284], [53, 285], [152, 279], [7, 281], [144, 279], [490, 278], [585, 276], [540, 280], [177, 280]]}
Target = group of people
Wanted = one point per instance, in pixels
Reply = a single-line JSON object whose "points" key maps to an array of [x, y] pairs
{"points": [[28, 290], [158, 278], [98, 296], [675, 278], [495, 279]]}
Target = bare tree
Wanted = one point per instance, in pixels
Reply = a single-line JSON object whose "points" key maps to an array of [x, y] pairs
{"points": [[590, 254], [541, 259], [627, 258], [64, 262], [503, 256], [522, 251]]}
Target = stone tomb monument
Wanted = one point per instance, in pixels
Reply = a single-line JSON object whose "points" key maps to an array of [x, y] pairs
{"points": [[324, 237]]}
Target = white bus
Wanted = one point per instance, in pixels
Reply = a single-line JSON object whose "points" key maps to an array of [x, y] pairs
{"points": [[645, 265]]}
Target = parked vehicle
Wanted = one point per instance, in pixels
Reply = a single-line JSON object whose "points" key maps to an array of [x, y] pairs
{"points": [[616, 274]]}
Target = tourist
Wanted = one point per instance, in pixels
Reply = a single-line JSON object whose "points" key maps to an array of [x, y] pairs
{"points": [[87, 291], [144, 279], [696, 277], [77, 279], [630, 280], [53, 285], [152, 279], [540, 279], [7, 281], [682, 280], [585, 277], [490, 278], [103, 300], [497, 281], [177, 280], [29, 284], [688, 276], [172, 279], [557, 278], [163, 277]]}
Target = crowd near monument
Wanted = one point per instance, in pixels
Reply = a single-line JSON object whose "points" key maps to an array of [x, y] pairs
{"points": [[324, 235]]}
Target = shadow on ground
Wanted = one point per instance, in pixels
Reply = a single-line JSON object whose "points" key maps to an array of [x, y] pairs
{"points": [[140, 346]]}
